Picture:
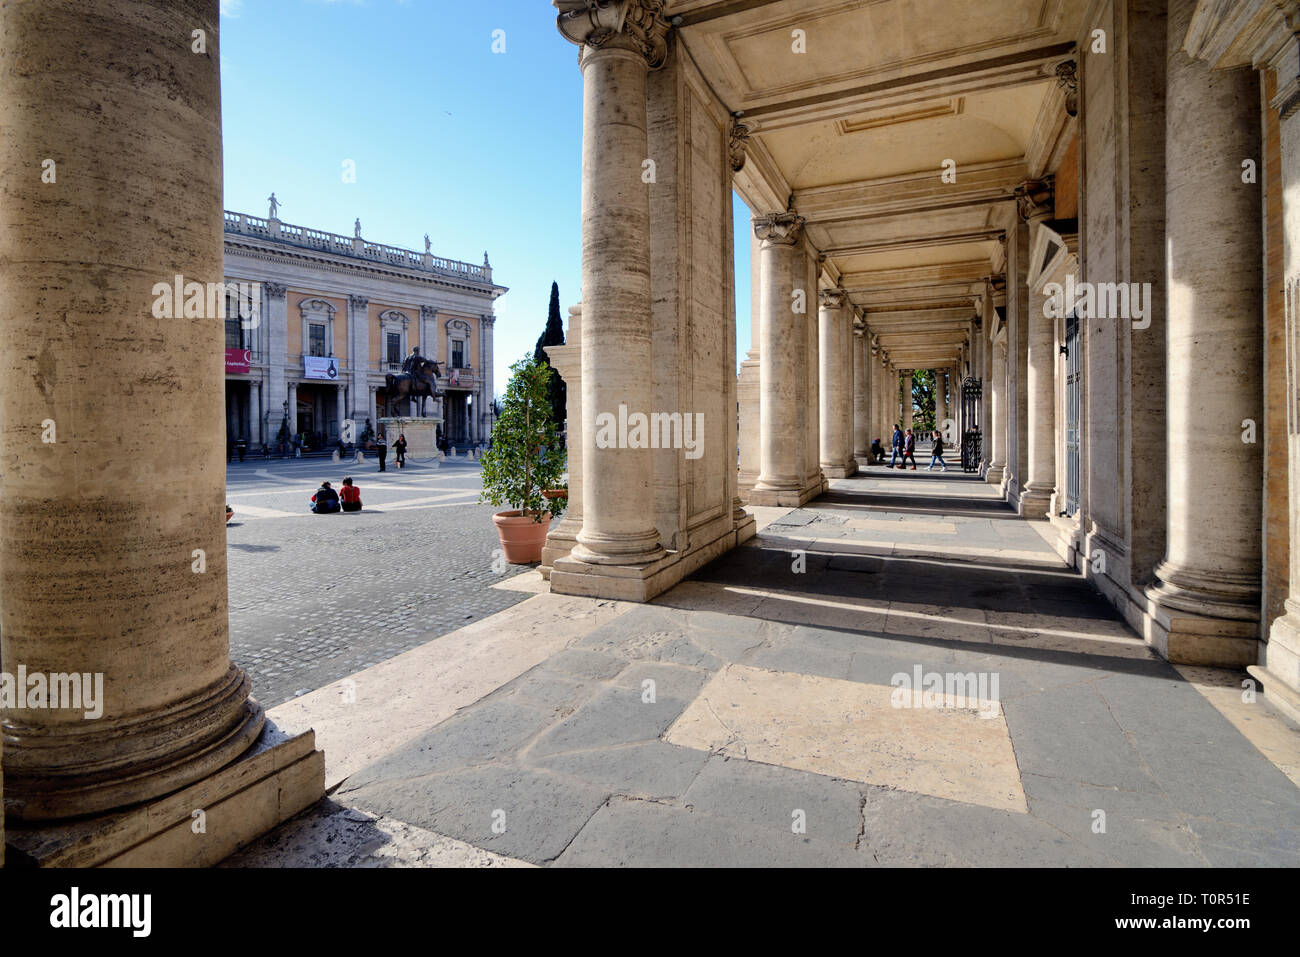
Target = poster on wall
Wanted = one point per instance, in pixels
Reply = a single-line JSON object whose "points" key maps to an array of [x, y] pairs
{"points": [[320, 367], [238, 360]]}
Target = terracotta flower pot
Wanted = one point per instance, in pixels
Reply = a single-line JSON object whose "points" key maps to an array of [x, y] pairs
{"points": [[551, 494], [521, 537], [230, 513]]}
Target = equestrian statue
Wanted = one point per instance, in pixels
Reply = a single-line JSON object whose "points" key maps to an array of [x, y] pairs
{"points": [[418, 379]]}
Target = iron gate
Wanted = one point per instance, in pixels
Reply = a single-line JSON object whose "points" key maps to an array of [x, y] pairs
{"points": [[972, 390], [1073, 390]]}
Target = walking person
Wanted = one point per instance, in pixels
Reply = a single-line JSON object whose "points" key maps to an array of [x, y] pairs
{"points": [[936, 453], [896, 445], [909, 450], [381, 446], [399, 447]]}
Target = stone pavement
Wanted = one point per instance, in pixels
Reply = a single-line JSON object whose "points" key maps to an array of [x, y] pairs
{"points": [[899, 673], [314, 598]]}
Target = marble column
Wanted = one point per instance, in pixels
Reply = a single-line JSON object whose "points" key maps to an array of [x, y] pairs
{"points": [[780, 477], [254, 433], [1279, 667], [861, 395], [341, 407], [835, 360], [293, 408], [997, 399], [359, 353], [618, 518], [277, 336], [940, 397], [907, 400], [1034, 202], [113, 545], [1209, 582]]}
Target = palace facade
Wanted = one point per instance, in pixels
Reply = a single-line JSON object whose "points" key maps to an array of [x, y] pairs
{"points": [[334, 315]]}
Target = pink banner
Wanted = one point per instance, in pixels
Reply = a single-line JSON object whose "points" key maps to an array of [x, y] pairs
{"points": [[238, 360]]}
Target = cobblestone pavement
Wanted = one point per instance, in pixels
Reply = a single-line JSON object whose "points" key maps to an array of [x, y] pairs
{"points": [[315, 598]]}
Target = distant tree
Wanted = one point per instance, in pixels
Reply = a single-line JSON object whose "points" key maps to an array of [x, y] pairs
{"points": [[553, 335], [923, 400]]}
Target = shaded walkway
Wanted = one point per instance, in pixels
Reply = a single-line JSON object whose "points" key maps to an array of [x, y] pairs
{"points": [[763, 713]]}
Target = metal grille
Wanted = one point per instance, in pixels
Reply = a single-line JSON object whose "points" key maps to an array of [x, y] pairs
{"points": [[1073, 396], [972, 391]]}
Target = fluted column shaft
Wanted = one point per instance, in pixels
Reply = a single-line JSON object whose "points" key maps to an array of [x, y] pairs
{"points": [[782, 364]]}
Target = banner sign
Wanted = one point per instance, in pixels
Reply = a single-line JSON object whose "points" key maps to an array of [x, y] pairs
{"points": [[320, 367], [238, 360]]}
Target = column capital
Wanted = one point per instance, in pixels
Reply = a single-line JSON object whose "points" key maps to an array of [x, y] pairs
{"points": [[1067, 78], [636, 25], [1034, 200], [833, 298], [428, 312], [276, 290], [358, 302], [781, 229]]}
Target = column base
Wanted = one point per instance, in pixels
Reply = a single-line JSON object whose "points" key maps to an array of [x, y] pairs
{"points": [[840, 469], [560, 541], [1186, 627], [994, 474], [1279, 673], [1035, 503], [571, 575], [785, 498], [277, 778]]}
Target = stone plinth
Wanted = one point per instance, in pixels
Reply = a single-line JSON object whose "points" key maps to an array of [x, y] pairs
{"points": [[421, 436]]}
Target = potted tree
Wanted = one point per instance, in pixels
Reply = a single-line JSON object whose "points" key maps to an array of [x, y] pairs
{"points": [[525, 459]]}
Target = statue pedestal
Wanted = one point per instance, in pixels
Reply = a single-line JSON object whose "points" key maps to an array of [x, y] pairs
{"points": [[421, 437]]}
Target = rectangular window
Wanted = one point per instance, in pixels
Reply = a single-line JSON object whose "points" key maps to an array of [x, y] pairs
{"points": [[234, 334], [394, 348], [457, 354], [316, 332]]}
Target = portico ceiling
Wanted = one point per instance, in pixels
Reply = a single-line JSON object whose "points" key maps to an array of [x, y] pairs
{"points": [[857, 129]]}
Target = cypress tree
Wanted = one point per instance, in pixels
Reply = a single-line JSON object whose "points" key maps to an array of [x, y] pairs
{"points": [[553, 335]]}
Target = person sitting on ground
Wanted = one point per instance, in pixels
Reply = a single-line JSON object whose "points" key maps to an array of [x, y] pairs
{"points": [[351, 496], [325, 500], [877, 452]]}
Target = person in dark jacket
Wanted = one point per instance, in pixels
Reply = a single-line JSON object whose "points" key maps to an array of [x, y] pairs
{"points": [[909, 450], [399, 447], [877, 452], [381, 446], [325, 500], [896, 444], [936, 453]]}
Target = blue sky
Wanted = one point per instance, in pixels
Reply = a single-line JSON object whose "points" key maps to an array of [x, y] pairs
{"points": [[481, 150]]}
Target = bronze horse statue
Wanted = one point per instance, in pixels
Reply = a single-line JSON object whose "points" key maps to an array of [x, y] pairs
{"points": [[421, 382]]}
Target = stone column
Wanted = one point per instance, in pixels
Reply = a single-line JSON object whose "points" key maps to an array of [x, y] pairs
{"points": [[780, 477], [254, 434], [861, 394], [567, 361], [277, 355], [907, 400], [747, 389], [293, 408], [940, 398], [1279, 668], [835, 360], [488, 365], [618, 521], [113, 546], [359, 355], [1208, 586], [341, 410], [1034, 202], [997, 398]]}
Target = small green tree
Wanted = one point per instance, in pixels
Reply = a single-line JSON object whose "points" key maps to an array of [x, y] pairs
{"points": [[526, 456], [553, 335]]}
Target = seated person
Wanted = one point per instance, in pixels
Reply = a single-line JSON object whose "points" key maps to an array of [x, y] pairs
{"points": [[877, 452], [325, 500], [350, 496]]}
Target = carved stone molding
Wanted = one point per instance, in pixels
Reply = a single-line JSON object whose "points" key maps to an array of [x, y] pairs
{"points": [[1034, 200], [275, 290], [636, 25], [832, 298], [738, 142], [782, 229], [1067, 77], [428, 312], [358, 302]]}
